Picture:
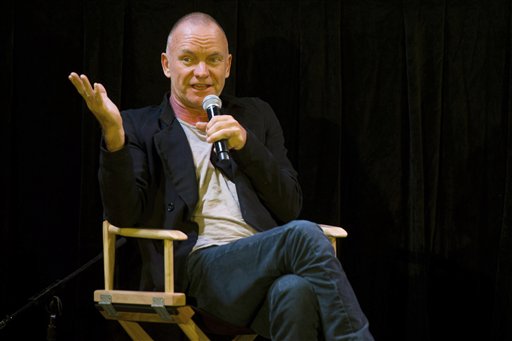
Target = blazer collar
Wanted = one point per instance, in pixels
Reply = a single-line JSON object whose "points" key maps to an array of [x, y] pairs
{"points": [[167, 115], [172, 147]]}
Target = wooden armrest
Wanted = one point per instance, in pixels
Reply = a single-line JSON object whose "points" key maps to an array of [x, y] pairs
{"points": [[168, 236], [147, 233], [333, 231]]}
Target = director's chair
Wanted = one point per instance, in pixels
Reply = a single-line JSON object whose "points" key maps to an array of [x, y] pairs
{"points": [[131, 307]]}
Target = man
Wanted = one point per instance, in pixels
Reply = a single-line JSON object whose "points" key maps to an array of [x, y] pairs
{"points": [[247, 261]]}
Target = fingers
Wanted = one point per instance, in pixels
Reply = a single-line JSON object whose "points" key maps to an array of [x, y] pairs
{"points": [[77, 82], [82, 84], [88, 90], [99, 93], [226, 127], [97, 101], [219, 122]]}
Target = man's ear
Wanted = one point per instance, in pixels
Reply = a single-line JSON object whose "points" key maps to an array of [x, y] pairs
{"points": [[228, 66], [165, 65]]}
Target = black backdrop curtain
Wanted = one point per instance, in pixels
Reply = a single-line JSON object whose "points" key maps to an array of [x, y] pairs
{"points": [[397, 115]]}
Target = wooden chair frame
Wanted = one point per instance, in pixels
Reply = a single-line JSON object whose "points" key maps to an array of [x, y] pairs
{"points": [[131, 307]]}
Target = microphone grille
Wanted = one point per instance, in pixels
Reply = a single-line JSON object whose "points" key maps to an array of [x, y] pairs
{"points": [[211, 100]]}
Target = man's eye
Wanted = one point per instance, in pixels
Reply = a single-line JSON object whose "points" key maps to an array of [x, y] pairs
{"points": [[187, 59], [216, 59]]}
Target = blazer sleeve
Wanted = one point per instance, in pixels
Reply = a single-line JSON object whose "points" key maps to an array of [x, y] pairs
{"points": [[264, 161], [124, 179]]}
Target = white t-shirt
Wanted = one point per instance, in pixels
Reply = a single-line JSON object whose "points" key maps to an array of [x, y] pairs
{"points": [[217, 212]]}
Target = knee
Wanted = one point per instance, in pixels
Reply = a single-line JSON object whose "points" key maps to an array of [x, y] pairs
{"points": [[305, 228], [304, 231]]}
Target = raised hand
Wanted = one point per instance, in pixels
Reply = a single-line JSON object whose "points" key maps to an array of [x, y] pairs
{"points": [[105, 111]]}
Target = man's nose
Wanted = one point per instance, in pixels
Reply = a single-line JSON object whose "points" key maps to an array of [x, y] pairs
{"points": [[201, 70]]}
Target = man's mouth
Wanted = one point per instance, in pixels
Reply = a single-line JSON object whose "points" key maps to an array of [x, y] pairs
{"points": [[200, 87]]}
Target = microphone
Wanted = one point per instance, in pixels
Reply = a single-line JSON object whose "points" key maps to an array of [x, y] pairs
{"points": [[212, 105]]}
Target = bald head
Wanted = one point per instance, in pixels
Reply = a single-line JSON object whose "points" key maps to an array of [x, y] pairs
{"points": [[195, 18]]}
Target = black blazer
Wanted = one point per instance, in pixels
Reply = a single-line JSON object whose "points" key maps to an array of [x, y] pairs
{"points": [[151, 182]]}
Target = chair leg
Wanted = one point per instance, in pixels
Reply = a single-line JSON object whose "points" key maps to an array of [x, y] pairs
{"points": [[135, 331], [192, 331]]}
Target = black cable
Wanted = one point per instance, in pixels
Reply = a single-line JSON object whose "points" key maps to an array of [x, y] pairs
{"points": [[35, 300]]}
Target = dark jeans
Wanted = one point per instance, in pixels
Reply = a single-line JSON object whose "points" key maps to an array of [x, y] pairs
{"points": [[285, 283]]}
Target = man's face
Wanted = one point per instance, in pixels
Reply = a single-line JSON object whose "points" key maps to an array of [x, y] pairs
{"points": [[197, 61]]}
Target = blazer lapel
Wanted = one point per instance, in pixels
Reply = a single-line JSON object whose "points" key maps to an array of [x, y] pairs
{"points": [[174, 151], [227, 167]]}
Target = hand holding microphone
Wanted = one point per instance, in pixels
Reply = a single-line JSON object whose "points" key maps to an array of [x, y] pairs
{"points": [[225, 129], [212, 105]]}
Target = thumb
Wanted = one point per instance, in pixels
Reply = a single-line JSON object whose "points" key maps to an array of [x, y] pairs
{"points": [[201, 125]]}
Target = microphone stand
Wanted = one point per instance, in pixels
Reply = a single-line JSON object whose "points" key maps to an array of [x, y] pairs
{"points": [[54, 307]]}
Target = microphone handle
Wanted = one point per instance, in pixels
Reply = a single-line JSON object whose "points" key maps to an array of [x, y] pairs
{"points": [[221, 147]]}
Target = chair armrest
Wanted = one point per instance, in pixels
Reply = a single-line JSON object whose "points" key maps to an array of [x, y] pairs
{"points": [[333, 231], [147, 233], [168, 236]]}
